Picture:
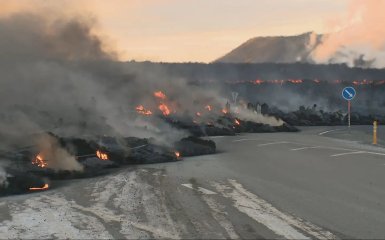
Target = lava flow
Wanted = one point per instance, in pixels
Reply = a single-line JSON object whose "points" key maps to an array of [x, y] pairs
{"points": [[101, 155], [160, 95], [45, 187], [140, 109], [39, 161], [165, 109]]}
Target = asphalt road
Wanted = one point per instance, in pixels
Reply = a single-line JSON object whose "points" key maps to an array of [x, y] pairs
{"points": [[314, 184]]}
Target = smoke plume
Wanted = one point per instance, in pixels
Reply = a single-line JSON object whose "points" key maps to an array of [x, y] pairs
{"points": [[57, 157], [358, 39], [3, 178]]}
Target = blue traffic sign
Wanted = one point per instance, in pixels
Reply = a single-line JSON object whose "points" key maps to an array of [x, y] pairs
{"points": [[348, 93]]}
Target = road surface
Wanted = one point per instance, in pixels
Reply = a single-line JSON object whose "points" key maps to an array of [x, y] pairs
{"points": [[313, 184]]}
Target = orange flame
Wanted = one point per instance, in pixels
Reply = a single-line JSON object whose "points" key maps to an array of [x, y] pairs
{"points": [[237, 122], [45, 187], [208, 108], [101, 155], [224, 111], [165, 109], [177, 154], [198, 114], [39, 161], [295, 81], [160, 95], [258, 82], [140, 109]]}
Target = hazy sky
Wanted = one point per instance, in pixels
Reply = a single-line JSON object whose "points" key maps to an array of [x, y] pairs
{"points": [[193, 30]]}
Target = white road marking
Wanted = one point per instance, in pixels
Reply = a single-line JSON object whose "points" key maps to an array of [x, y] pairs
{"points": [[304, 148], [218, 212], [322, 133], [246, 139], [199, 189], [271, 143], [282, 224], [347, 153], [376, 153], [213, 137], [358, 152]]}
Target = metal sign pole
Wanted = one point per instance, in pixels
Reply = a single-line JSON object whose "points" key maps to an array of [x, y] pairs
{"points": [[349, 114], [348, 93]]}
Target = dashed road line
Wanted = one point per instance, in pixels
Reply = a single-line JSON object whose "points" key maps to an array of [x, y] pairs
{"points": [[322, 133], [271, 143], [199, 189], [347, 153], [247, 139], [304, 148]]}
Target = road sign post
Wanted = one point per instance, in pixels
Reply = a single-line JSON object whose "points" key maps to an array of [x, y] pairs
{"points": [[349, 113], [348, 94]]}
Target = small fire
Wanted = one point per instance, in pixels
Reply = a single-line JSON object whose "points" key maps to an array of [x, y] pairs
{"points": [[45, 187], [198, 114], [39, 161], [208, 108], [177, 154], [225, 111], [101, 155], [237, 122], [160, 95], [295, 81], [258, 82], [140, 109], [363, 82], [165, 109]]}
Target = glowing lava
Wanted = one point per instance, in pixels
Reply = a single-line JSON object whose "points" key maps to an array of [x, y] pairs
{"points": [[45, 187], [39, 161], [101, 155], [165, 109], [160, 95], [141, 110]]}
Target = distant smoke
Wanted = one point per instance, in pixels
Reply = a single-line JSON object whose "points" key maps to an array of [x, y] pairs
{"points": [[3, 178], [359, 39]]}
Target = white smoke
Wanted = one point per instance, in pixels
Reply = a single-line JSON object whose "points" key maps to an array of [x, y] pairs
{"points": [[358, 38], [3, 178], [56, 157], [246, 114]]}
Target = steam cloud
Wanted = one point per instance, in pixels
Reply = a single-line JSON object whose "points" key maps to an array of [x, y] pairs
{"points": [[359, 39], [3, 178]]}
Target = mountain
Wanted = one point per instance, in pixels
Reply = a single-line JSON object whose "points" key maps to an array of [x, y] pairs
{"points": [[280, 49]]}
